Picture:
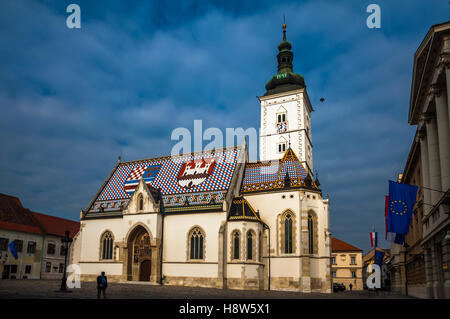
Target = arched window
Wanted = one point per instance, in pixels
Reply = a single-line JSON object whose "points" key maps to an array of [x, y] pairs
{"points": [[250, 246], [236, 245], [141, 202], [288, 234], [107, 245], [312, 233], [196, 248]]}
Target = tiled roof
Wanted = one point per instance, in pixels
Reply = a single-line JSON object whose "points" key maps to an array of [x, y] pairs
{"points": [[242, 210], [57, 226], [13, 216], [195, 179], [275, 175], [339, 245]]}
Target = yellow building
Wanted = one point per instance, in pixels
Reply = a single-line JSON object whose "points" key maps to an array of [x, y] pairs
{"points": [[17, 224], [346, 264]]}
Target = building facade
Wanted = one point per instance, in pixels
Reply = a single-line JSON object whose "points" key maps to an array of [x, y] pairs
{"points": [[213, 218], [429, 110], [54, 252], [37, 240], [17, 225], [346, 264], [411, 280]]}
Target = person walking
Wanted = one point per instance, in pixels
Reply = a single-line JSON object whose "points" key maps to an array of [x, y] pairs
{"points": [[350, 287], [102, 284]]}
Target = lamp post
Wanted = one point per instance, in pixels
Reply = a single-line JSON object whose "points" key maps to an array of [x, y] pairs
{"points": [[406, 246], [66, 243]]}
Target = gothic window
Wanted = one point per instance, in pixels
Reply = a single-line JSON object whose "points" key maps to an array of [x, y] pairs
{"points": [[236, 245], [312, 233], [107, 245], [250, 246], [196, 243], [141, 202], [288, 234]]}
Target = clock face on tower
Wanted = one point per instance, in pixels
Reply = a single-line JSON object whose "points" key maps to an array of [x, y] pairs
{"points": [[281, 127]]}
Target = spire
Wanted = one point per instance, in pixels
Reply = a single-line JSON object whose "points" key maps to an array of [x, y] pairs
{"points": [[285, 79]]}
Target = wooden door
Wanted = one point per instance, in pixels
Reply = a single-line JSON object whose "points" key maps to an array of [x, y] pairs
{"points": [[144, 270]]}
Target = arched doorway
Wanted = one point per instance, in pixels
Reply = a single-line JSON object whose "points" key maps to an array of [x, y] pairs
{"points": [[139, 255]]}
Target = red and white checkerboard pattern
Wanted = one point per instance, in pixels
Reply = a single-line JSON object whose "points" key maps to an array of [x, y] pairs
{"points": [[166, 179], [137, 173]]}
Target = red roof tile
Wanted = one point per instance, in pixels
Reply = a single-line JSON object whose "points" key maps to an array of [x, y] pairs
{"points": [[13, 216], [57, 226], [339, 245]]}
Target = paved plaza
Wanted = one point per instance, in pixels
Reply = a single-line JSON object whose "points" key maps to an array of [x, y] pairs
{"points": [[36, 289]]}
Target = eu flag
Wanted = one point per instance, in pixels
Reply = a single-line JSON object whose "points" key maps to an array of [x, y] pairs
{"points": [[401, 202], [12, 248]]}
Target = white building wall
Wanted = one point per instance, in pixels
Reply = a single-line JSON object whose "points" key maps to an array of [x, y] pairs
{"points": [[298, 117]]}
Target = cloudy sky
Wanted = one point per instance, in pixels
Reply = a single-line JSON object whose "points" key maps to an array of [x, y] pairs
{"points": [[73, 100]]}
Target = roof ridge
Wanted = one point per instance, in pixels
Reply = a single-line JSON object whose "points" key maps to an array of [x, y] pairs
{"points": [[339, 241], [52, 216], [185, 154]]}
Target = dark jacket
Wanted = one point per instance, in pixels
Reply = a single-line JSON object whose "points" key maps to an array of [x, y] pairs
{"points": [[99, 282]]}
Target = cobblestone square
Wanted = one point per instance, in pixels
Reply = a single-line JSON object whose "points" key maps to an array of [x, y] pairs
{"points": [[39, 289]]}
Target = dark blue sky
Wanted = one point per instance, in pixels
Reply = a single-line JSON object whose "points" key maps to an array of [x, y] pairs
{"points": [[73, 100]]}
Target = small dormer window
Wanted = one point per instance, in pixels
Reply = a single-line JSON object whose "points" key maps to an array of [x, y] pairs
{"points": [[141, 202]]}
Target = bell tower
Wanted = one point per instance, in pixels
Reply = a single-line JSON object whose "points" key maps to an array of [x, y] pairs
{"points": [[286, 112]]}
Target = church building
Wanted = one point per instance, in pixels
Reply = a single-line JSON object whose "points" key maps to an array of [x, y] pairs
{"points": [[213, 218]]}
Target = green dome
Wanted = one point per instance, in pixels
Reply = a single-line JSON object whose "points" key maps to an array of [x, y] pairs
{"points": [[285, 79]]}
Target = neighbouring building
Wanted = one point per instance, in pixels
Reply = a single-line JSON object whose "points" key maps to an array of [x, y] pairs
{"points": [[429, 110], [368, 260], [214, 218], [37, 239], [17, 224], [412, 253], [346, 264], [54, 250]]}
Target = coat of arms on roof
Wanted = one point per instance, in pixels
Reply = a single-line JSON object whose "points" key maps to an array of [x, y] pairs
{"points": [[147, 172], [195, 172]]}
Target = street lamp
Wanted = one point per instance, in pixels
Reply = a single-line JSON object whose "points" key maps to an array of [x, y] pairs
{"points": [[66, 244]]}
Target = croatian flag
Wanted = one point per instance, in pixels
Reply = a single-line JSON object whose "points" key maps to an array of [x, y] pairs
{"points": [[373, 239]]}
